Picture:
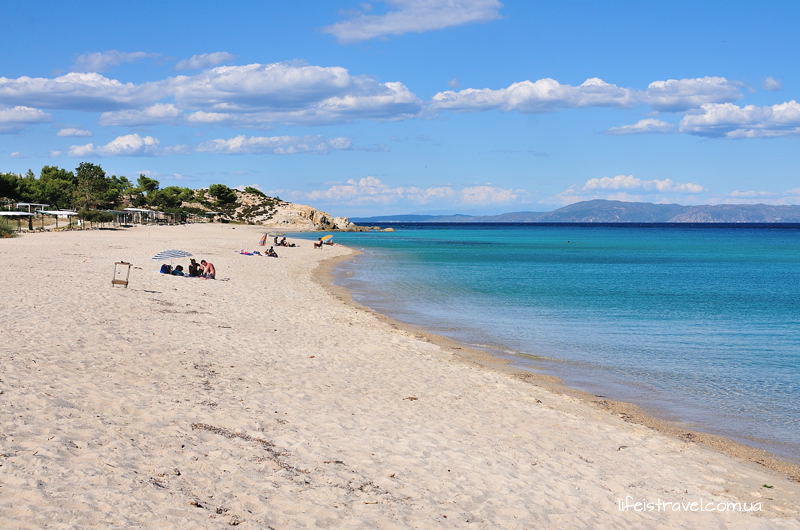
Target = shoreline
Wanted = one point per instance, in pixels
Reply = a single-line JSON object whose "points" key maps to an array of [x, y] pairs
{"points": [[325, 274]]}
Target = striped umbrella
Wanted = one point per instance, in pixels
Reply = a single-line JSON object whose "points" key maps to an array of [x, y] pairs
{"points": [[171, 254]]}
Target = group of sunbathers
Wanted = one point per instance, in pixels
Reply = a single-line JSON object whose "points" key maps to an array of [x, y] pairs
{"points": [[283, 243], [204, 269]]}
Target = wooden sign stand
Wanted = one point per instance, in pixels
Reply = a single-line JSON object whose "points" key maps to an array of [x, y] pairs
{"points": [[115, 281]]}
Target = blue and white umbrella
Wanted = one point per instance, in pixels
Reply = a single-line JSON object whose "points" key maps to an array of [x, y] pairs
{"points": [[171, 254]]}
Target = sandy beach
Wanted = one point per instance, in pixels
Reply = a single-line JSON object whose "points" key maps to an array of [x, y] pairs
{"points": [[263, 399]]}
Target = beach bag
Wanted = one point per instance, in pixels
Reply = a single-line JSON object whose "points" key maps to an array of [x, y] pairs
{"points": [[263, 240], [166, 269]]}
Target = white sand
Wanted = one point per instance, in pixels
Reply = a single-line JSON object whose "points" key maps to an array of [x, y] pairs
{"points": [[265, 401]]}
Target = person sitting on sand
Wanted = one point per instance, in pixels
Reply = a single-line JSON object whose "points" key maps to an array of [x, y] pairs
{"points": [[271, 252], [208, 269], [318, 244], [178, 271], [194, 268]]}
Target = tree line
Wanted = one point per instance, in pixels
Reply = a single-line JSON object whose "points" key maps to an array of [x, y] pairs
{"points": [[89, 190]]}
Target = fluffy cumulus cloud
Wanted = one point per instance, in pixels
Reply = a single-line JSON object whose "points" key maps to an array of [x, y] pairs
{"points": [[372, 190], [102, 61], [543, 95], [157, 113], [127, 145], [254, 94], [14, 119], [645, 126], [278, 145], [76, 91], [204, 60], [74, 132], [629, 182], [750, 121], [682, 94], [629, 188], [413, 16], [259, 94]]}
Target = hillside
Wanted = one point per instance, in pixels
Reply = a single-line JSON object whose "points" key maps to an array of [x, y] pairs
{"points": [[603, 211]]}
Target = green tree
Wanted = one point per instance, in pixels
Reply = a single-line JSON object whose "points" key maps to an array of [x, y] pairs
{"points": [[146, 184], [93, 187], [222, 193], [254, 191], [9, 186], [27, 187], [56, 187]]}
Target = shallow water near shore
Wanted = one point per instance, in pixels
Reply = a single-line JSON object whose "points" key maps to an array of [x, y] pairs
{"points": [[698, 324]]}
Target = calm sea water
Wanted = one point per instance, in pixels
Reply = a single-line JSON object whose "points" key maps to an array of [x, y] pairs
{"points": [[699, 324]]}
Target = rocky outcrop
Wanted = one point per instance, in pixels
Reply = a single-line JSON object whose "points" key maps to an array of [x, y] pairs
{"points": [[291, 216], [255, 208]]}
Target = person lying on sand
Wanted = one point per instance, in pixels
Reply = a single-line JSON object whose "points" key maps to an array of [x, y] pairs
{"points": [[208, 270], [178, 271]]}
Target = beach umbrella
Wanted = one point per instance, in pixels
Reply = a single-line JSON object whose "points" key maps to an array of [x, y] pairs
{"points": [[325, 238], [171, 254], [276, 234]]}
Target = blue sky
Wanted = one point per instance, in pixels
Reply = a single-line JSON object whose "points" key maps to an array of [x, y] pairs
{"points": [[413, 106]]}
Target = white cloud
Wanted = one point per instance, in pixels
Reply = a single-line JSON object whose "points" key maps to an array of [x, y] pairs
{"points": [[16, 154], [204, 60], [209, 117], [751, 193], [76, 91], [682, 94], [127, 145], [101, 61], [74, 132], [750, 121], [629, 182], [546, 95], [770, 83], [255, 94], [372, 190], [157, 113], [278, 145], [487, 195], [414, 16], [14, 119], [259, 94], [629, 188], [543, 95], [647, 125]]}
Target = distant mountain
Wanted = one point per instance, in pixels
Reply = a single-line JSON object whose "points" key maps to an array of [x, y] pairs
{"points": [[602, 211]]}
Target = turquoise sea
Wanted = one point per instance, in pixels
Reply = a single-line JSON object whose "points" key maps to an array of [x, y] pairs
{"points": [[699, 324]]}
